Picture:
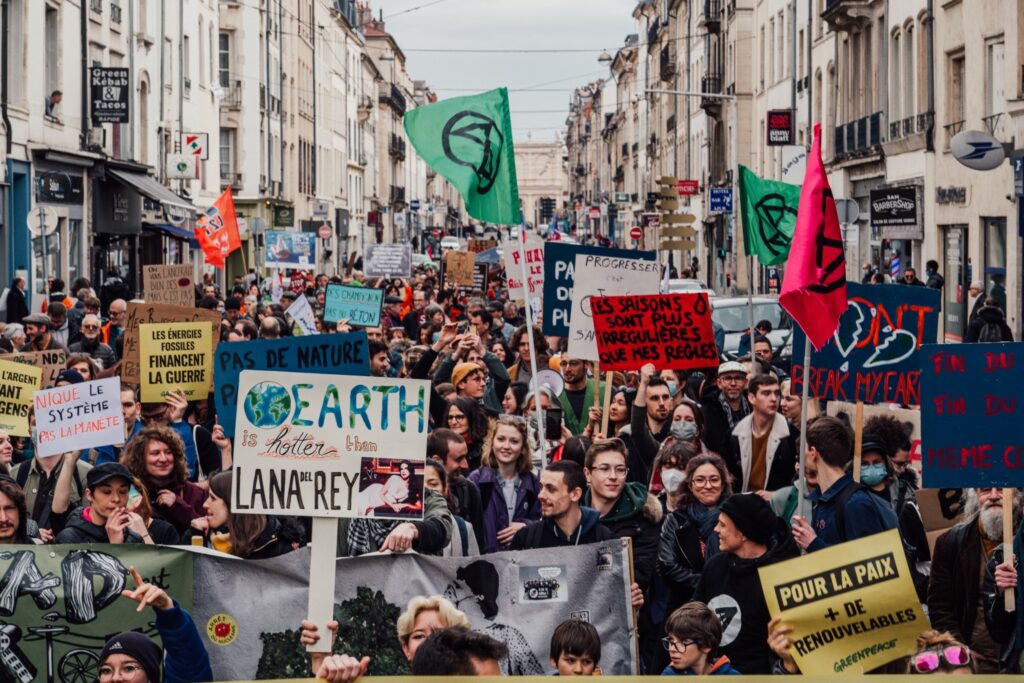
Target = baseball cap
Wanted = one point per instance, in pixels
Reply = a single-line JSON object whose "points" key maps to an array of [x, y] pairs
{"points": [[108, 470]]}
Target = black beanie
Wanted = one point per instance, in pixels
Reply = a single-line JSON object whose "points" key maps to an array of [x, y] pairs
{"points": [[140, 648], [752, 515]]}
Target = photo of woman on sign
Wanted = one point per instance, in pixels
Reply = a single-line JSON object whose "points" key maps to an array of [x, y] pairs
{"points": [[390, 488]]}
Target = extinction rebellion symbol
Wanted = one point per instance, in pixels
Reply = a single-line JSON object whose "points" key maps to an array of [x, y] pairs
{"points": [[474, 140]]}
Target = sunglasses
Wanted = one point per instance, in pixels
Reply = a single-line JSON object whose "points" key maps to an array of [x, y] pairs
{"points": [[930, 660]]}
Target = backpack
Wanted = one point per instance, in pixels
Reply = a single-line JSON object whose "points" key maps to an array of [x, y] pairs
{"points": [[990, 332]]}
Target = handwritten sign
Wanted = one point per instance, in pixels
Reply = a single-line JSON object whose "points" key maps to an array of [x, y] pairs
{"points": [[476, 246], [139, 313], [50, 362], [357, 305], [559, 277], [175, 357], [852, 606], [604, 276], [969, 420], [388, 260], [459, 267], [17, 383], [330, 446], [79, 416], [325, 354], [169, 284], [673, 331], [873, 356], [534, 253], [302, 313]]}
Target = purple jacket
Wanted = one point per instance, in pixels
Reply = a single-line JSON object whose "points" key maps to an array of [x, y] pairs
{"points": [[496, 513]]}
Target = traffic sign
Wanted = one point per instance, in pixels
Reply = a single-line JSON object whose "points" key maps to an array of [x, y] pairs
{"points": [[636, 232], [324, 231], [681, 231], [621, 197], [679, 244], [42, 218], [721, 199], [687, 187], [414, 205]]}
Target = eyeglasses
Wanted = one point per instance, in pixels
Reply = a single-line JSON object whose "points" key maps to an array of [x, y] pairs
{"points": [[929, 661], [456, 418], [701, 482], [733, 378], [679, 646], [90, 327], [605, 470], [127, 671]]}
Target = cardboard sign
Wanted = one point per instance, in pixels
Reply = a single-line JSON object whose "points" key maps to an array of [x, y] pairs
{"points": [[358, 305], [534, 285], [970, 423], [459, 267], [673, 331], [873, 356], [910, 417], [50, 362], [17, 383], [302, 313], [559, 269], [476, 246], [330, 446], [852, 606], [149, 314], [79, 416], [169, 284], [604, 276], [175, 357], [388, 260], [325, 354]]}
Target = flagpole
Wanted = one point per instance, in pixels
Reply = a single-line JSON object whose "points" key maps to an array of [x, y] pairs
{"points": [[529, 339], [802, 481], [750, 307]]}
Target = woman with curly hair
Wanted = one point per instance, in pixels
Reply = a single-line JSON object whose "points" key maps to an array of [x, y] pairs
{"points": [[156, 456], [465, 417]]}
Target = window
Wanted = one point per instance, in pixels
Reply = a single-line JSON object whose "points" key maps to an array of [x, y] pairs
{"points": [[186, 68], [781, 44], [761, 61], [202, 53], [227, 155], [800, 54], [771, 51], [168, 63], [895, 103], [15, 58], [995, 93], [908, 73], [955, 105], [224, 58], [52, 37]]}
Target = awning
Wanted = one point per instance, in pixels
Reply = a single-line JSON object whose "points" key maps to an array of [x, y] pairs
{"points": [[152, 189], [175, 231]]}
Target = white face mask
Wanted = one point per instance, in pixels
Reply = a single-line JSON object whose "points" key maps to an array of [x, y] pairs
{"points": [[671, 479]]}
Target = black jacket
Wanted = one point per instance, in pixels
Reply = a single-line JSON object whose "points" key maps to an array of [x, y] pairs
{"points": [[277, 538], [637, 515], [681, 556], [642, 444], [544, 533], [469, 505], [17, 309], [99, 352], [717, 432], [988, 314], [80, 530], [953, 592], [731, 587]]}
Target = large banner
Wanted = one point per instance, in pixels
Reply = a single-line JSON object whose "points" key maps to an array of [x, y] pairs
{"points": [[874, 354], [290, 249], [517, 598], [325, 354], [330, 445]]}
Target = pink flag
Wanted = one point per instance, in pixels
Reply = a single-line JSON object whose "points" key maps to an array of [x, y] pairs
{"points": [[814, 287]]}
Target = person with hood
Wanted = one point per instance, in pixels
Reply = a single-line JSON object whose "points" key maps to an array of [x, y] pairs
{"points": [[649, 425], [750, 537], [935, 279], [106, 519], [989, 325]]}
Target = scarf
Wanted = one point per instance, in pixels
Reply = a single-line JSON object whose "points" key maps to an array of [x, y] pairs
{"points": [[576, 424], [705, 519], [367, 535], [744, 410]]}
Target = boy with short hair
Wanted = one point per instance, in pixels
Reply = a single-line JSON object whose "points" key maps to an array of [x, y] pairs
{"points": [[693, 634], [575, 649]]}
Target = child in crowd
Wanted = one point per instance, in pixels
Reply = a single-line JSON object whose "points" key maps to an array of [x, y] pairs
{"points": [[576, 649], [693, 634]]}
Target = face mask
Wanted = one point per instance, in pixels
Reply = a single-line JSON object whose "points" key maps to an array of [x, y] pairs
{"points": [[671, 479], [672, 387], [872, 475], [683, 430]]}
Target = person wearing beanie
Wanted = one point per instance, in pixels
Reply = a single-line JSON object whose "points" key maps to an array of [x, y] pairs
{"points": [[132, 656], [750, 536]]}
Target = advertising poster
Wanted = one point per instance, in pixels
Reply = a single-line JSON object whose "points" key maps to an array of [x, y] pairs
{"points": [[290, 249]]}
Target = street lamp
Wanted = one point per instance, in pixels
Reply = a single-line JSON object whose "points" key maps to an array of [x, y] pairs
{"points": [[605, 58]]}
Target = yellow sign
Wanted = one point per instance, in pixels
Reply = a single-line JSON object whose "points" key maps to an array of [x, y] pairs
{"points": [[852, 606], [175, 357], [18, 382]]}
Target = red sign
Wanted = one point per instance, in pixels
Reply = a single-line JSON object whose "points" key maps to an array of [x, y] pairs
{"points": [[652, 220], [686, 188], [636, 232], [672, 331], [594, 212], [297, 283], [324, 231], [780, 127]]}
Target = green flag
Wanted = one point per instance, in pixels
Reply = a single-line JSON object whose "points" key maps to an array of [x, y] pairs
{"points": [[468, 140], [769, 216]]}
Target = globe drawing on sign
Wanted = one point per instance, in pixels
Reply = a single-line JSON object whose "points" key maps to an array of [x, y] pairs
{"points": [[267, 405]]}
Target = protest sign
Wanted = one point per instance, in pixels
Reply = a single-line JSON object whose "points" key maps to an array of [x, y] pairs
{"points": [[910, 418], [559, 266], [604, 276], [324, 354], [50, 362], [534, 251], [852, 606], [476, 246], [940, 511], [302, 313], [387, 260], [169, 284], [139, 313], [330, 445], [673, 331], [873, 355], [480, 275], [175, 357], [357, 305], [970, 424], [459, 267], [17, 383], [290, 249], [79, 416]]}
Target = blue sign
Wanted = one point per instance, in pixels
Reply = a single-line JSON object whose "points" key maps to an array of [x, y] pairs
{"points": [[873, 355], [720, 199], [323, 354], [414, 205], [559, 263], [290, 249], [970, 429], [357, 305]]}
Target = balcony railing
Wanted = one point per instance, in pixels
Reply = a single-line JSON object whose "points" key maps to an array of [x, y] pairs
{"points": [[232, 95], [712, 15], [668, 62], [391, 94], [952, 129], [115, 13], [396, 146], [397, 195], [918, 123], [844, 14], [711, 84], [859, 137]]}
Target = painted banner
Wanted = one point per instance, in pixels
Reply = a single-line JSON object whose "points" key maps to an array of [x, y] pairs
{"points": [[290, 249], [604, 276], [387, 260], [673, 331], [79, 416], [330, 445], [852, 606], [459, 267], [324, 354], [356, 305], [139, 313], [169, 284], [302, 314], [559, 267], [515, 597], [176, 357], [17, 384], [50, 362], [874, 354], [909, 417], [969, 422], [534, 285]]}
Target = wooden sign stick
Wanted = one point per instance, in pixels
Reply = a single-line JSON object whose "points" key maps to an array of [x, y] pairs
{"points": [[1010, 603], [323, 550], [607, 404], [858, 438]]}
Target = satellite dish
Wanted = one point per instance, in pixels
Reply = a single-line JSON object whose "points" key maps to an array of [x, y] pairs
{"points": [[552, 380], [977, 150]]}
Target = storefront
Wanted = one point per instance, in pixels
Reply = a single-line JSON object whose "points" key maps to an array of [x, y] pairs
{"points": [[59, 193]]}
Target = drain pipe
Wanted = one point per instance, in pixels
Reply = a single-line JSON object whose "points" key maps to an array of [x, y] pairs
{"points": [[4, 39]]}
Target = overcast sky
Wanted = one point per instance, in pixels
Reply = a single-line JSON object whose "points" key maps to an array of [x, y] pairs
{"points": [[592, 25]]}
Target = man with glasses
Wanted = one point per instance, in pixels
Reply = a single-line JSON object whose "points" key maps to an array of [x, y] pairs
{"points": [[578, 392], [469, 350], [115, 325], [910, 278], [762, 453], [92, 345], [724, 405]]}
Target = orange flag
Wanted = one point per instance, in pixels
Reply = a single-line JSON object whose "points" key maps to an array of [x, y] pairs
{"points": [[217, 230]]}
